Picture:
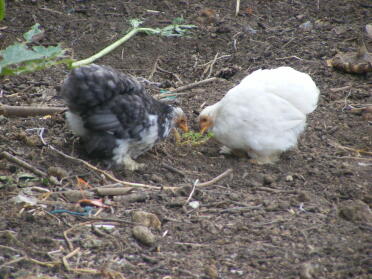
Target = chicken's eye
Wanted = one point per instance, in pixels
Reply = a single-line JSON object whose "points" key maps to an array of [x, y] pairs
{"points": [[203, 120]]}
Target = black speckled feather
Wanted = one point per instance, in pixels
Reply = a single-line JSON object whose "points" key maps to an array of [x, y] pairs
{"points": [[112, 106]]}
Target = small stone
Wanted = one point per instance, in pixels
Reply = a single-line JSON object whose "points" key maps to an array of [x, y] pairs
{"points": [[303, 196], [306, 271], [156, 178], [267, 180], [356, 211], [300, 16], [57, 172], [306, 26], [289, 178], [194, 204], [53, 180], [146, 219], [235, 196], [144, 235], [211, 271]]}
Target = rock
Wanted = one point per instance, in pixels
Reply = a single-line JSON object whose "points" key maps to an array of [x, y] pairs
{"points": [[156, 178], [146, 219], [303, 196], [306, 271], [267, 179], [289, 178], [144, 235], [306, 26], [57, 172], [194, 204], [355, 211]]}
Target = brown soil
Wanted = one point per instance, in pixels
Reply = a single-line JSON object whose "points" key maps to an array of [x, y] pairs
{"points": [[308, 216]]}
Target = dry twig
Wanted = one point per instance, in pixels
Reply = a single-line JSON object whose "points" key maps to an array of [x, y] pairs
{"points": [[22, 163], [24, 111], [358, 151]]}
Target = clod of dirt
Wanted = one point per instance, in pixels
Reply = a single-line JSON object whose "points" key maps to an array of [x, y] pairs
{"points": [[135, 197], [356, 211], [211, 270], [355, 63], [306, 271], [57, 172], [367, 113], [146, 219], [303, 196], [228, 72], [206, 16], [144, 235], [268, 180]]}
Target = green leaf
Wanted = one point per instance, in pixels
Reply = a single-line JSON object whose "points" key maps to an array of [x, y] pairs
{"points": [[17, 53], [51, 51], [134, 22], [33, 32], [178, 20], [2, 9]]}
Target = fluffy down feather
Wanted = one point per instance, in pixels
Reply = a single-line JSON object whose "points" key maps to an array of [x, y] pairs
{"points": [[263, 115], [114, 115]]}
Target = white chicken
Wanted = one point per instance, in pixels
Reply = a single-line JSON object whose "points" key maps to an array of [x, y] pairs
{"points": [[263, 115]]}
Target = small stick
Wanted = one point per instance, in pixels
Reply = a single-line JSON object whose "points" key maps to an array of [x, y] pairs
{"points": [[102, 219], [102, 171], [237, 7], [358, 151], [340, 88], [23, 164], [195, 84], [192, 191], [210, 66], [214, 180], [232, 209], [287, 57], [69, 243], [170, 73], [24, 111], [173, 169], [272, 190], [113, 191], [153, 69]]}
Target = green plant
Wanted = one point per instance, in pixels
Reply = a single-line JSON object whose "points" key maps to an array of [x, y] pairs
{"points": [[21, 58], [195, 138], [2, 9], [173, 30]]}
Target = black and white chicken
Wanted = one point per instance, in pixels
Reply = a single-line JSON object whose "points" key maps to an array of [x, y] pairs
{"points": [[264, 114], [115, 116]]}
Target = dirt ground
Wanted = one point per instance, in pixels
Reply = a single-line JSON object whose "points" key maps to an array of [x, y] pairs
{"points": [[307, 216]]}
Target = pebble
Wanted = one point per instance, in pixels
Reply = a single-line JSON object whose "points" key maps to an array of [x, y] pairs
{"points": [[156, 178], [306, 26], [303, 196], [194, 204], [289, 178], [146, 219], [267, 179], [356, 211], [144, 235], [57, 172]]}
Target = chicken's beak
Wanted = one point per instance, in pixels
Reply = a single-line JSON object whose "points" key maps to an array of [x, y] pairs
{"points": [[204, 127], [184, 127]]}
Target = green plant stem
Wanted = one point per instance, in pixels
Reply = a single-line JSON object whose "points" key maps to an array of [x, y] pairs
{"points": [[111, 47]]}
